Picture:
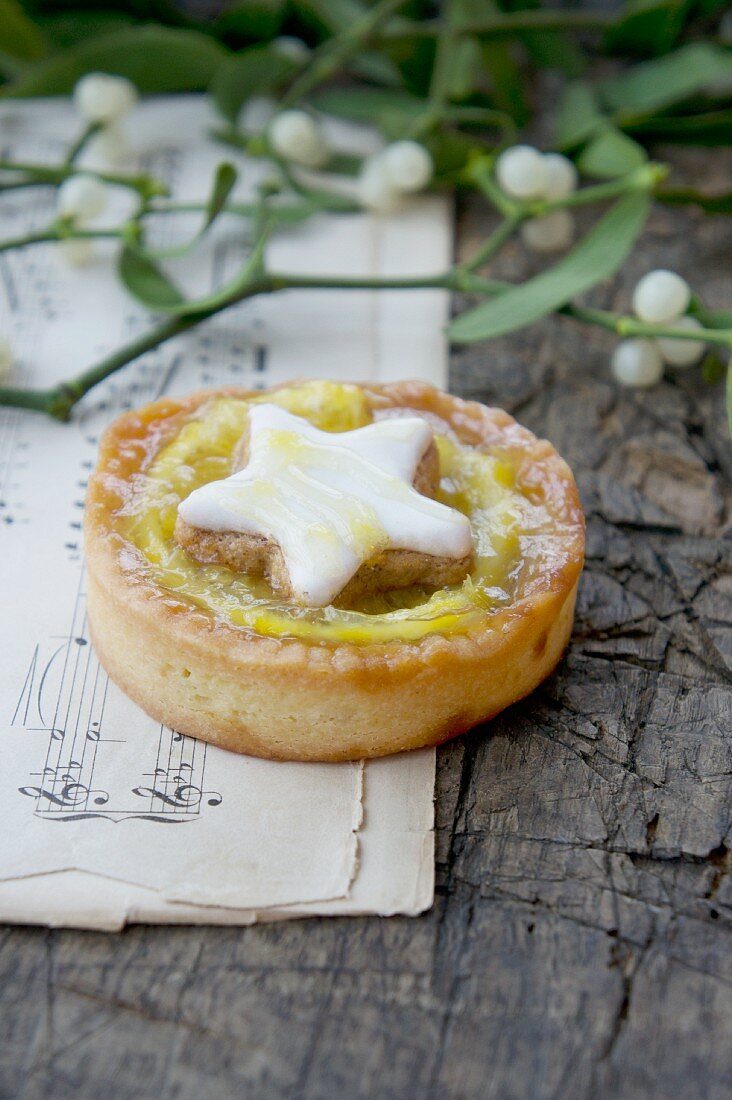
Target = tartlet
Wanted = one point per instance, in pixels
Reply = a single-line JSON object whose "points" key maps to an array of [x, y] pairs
{"points": [[218, 655]]}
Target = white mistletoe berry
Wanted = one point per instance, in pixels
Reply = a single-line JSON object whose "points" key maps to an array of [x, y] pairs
{"points": [[374, 188], [561, 177], [521, 172], [81, 198], [660, 297], [408, 165], [637, 363], [296, 136], [550, 233], [682, 353], [6, 356], [101, 97]]}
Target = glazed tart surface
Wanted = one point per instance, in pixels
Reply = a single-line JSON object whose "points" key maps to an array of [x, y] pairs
{"points": [[519, 539]]}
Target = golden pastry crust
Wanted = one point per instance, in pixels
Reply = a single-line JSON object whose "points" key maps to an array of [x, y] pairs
{"points": [[258, 555], [285, 698]]}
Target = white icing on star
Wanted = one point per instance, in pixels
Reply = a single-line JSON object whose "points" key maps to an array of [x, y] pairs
{"points": [[330, 500]]}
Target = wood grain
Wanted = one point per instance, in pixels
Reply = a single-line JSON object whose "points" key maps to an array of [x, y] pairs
{"points": [[580, 943]]}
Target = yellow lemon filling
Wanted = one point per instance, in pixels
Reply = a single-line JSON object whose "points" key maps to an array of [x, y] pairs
{"points": [[479, 485]]}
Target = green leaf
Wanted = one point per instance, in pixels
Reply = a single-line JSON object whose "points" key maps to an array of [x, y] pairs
{"points": [[19, 37], [376, 67], [506, 78], [611, 154], [255, 19], [712, 368], [451, 150], [387, 110], [689, 196], [151, 286], [71, 28], [711, 128], [578, 115], [655, 85], [224, 183], [712, 318], [146, 282], [257, 70], [553, 49], [596, 257], [155, 59], [332, 16], [466, 69], [647, 27]]}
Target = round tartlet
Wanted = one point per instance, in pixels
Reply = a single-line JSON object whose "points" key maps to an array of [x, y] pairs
{"points": [[218, 656]]}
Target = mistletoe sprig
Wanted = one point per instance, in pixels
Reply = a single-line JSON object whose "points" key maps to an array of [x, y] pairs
{"points": [[446, 96]]}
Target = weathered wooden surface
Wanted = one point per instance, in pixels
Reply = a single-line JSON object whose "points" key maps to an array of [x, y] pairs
{"points": [[579, 945]]}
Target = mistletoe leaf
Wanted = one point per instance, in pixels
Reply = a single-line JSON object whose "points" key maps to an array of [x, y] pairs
{"points": [[147, 283], [578, 115], [596, 257], [611, 154], [662, 83], [154, 58], [649, 27], [19, 36], [710, 128], [254, 19], [223, 184]]}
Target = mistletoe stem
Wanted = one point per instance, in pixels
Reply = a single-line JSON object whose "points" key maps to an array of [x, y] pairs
{"points": [[508, 23], [329, 58], [59, 401], [80, 144], [53, 174], [58, 233], [495, 242]]}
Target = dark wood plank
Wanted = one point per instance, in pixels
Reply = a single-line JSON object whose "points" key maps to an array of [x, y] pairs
{"points": [[580, 943]]}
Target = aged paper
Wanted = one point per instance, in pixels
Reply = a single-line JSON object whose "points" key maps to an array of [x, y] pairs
{"points": [[91, 785]]}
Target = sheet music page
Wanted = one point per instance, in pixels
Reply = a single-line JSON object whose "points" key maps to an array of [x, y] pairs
{"points": [[90, 785]]}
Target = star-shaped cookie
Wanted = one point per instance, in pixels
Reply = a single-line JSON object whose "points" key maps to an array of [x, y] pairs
{"points": [[313, 509]]}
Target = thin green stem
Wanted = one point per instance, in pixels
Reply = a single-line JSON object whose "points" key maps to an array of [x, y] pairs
{"points": [[30, 238], [495, 242], [17, 185], [442, 69], [80, 144], [53, 174], [623, 325], [317, 196], [166, 330], [641, 179], [480, 173], [58, 232], [329, 58], [36, 400], [629, 326], [59, 401], [454, 279], [508, 23]]}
